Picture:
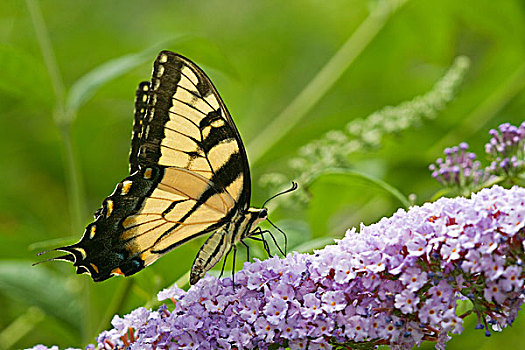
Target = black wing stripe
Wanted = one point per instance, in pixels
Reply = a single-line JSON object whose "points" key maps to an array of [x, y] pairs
{"points": [[227, 176], [214, 138], [199, 96], [180, 115], [189, 105], [228, 173], [182, 134], [182, 241], [143, 223]]}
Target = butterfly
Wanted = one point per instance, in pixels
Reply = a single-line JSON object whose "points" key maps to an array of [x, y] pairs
{"points": [[189, 176]]}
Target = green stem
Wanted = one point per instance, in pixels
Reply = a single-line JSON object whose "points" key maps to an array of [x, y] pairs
{"points": [[480, 116], [379, 183], [88, 325], [61, 119], [74, 181], [116, 304], [60, 116], [21, 326], [323, 81], [47, 51]]}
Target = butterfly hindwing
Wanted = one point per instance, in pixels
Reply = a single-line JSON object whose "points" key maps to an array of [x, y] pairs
{"points": [[143, 219]]}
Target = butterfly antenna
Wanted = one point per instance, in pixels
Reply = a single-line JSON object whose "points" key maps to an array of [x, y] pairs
{"points": [[293, 188]]}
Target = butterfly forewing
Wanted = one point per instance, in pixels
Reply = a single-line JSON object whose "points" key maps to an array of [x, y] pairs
{"points": [[188, 126], [189, 175]]}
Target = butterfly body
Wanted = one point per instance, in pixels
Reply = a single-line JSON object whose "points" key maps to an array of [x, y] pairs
{"points": [[189, 176], [223, 240]]}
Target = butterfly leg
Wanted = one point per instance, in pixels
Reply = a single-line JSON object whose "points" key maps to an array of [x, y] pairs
{"points": [[233, 266], [274, 241], [247, 251], [259, 232], [265, 244], [224, 264]]}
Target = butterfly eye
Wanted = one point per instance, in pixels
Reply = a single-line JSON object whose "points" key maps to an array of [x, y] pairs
{"points": [[263, 214]]}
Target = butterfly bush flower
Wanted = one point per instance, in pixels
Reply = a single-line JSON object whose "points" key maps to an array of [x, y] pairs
{"points": [[459, 168], [396, 282], [506, 149]]}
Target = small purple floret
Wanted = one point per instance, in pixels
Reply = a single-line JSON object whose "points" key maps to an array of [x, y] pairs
{"points": [[459, 169], [506, 150]]}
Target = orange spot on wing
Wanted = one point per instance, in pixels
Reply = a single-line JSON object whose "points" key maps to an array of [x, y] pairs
{"points": [[117, 271]]}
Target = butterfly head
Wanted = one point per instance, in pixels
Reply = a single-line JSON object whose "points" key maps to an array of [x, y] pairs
{"points": [[263, 214], [255, 216]]}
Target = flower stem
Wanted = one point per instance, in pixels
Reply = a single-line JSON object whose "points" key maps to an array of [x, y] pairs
{"points": [[480, 116], [21, 326], [47, 51], [323, 81], [61, 118], [60, 114], [116, 304]]}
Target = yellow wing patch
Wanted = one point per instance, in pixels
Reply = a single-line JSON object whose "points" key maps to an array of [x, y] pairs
{"points": [[174, 207]]}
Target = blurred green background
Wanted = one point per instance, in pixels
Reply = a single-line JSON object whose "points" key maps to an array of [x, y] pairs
{"points": [[64, 135]]}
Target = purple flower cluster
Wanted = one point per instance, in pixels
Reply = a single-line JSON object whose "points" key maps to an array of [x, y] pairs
{"points": [[459, 168], [394, 283], [506, 149]]}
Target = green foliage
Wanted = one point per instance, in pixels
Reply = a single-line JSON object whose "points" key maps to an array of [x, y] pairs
{"points": [[19, 280], [360, 135], [289, 74]]}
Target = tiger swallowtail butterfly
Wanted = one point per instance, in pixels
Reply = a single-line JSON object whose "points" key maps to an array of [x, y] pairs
{"points": [[189, 176]]}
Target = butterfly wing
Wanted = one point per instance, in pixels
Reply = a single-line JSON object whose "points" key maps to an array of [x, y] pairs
{"points": [[188, 126], [141, 105], [189, 175]]}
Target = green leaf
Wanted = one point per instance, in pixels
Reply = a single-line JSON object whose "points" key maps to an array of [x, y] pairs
{"points": [[343, 198], [42, 288], [375, 181], [86, 86]]}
